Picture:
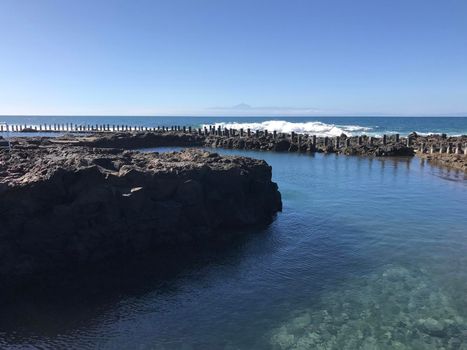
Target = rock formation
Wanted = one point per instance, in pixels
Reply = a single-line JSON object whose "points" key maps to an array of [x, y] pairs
{"points": [[63, 207], [361, 145]]}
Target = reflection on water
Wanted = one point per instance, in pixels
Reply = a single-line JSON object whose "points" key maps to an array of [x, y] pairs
{"points": [[368, 253]]}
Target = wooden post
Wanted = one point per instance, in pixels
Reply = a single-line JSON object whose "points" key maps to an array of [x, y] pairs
{"points": [[274, 134], [347, 142], [384, 140], [257, 133], [241, 132], [408, 141], [326, 141], [313, 141], [360, 140], [337, 142], [396, 136], [248, 132]]}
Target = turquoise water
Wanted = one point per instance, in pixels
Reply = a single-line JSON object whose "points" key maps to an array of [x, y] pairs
{"points": [[367, 253], [325, 126]]}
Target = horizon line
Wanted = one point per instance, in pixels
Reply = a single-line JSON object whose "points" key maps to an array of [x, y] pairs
{"points": [[455, 115]]}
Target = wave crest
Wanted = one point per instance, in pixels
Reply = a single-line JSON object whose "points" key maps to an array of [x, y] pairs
{"points": [[311, 128]]}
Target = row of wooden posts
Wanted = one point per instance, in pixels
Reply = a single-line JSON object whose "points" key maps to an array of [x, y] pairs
{"points": [[448, 149], [210, 130], [336, 142], [89, 128]]}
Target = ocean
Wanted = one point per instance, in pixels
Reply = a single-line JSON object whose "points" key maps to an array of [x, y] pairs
{"points": [[368, 253], [321, 126]]}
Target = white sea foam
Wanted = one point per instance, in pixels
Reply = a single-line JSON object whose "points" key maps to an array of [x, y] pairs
{"points": [[312, 128]]}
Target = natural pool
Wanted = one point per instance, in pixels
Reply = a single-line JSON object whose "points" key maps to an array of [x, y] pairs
{"points": [[368, 253]]}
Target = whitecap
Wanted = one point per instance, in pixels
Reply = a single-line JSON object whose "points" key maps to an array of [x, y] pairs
{"points": [[311, 128]]}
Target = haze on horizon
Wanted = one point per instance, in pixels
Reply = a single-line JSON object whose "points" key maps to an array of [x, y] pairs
{"points": [[243, 57]]}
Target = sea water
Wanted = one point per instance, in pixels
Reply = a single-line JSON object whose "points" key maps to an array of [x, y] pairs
{"points": [[368, 253]]}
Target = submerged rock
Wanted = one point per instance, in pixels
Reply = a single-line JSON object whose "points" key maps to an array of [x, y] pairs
{"points": [[62, 207], [396, 308], [432, 327]]}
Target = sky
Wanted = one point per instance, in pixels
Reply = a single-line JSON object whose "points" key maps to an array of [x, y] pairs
{"points": [[233, 57]]}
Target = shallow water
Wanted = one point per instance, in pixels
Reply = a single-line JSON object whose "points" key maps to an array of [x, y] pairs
{"points": [[368, 253]]}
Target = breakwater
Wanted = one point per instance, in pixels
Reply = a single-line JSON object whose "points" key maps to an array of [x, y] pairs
{"points": [[127, 136], [450, 151], [255, 139], [63, 207]]}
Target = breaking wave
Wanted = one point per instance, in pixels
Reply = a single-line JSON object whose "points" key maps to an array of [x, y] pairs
{"points": [[314, 128]]}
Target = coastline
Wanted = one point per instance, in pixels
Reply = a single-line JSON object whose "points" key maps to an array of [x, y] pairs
{"points": [[450, 151]]}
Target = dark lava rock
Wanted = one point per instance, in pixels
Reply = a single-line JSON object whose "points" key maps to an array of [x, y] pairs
{"points": [[396, 150], [129, 140], [282, 145], [28, 130], [63, 206]]}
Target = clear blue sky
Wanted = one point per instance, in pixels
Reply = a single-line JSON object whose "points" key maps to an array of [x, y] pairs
{"points": [[218, 57]]}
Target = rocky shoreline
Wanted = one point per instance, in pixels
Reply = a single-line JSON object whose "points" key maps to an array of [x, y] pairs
{"points": [[439, 149], [263, 141], [448, 151], [63, 207]]}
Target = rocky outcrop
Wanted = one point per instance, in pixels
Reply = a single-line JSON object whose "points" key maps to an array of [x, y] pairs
{"points": [[393, 150], [62, 207], [305, 143], [3, 142], [262, 141], [452, 161], [135, 140]]}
